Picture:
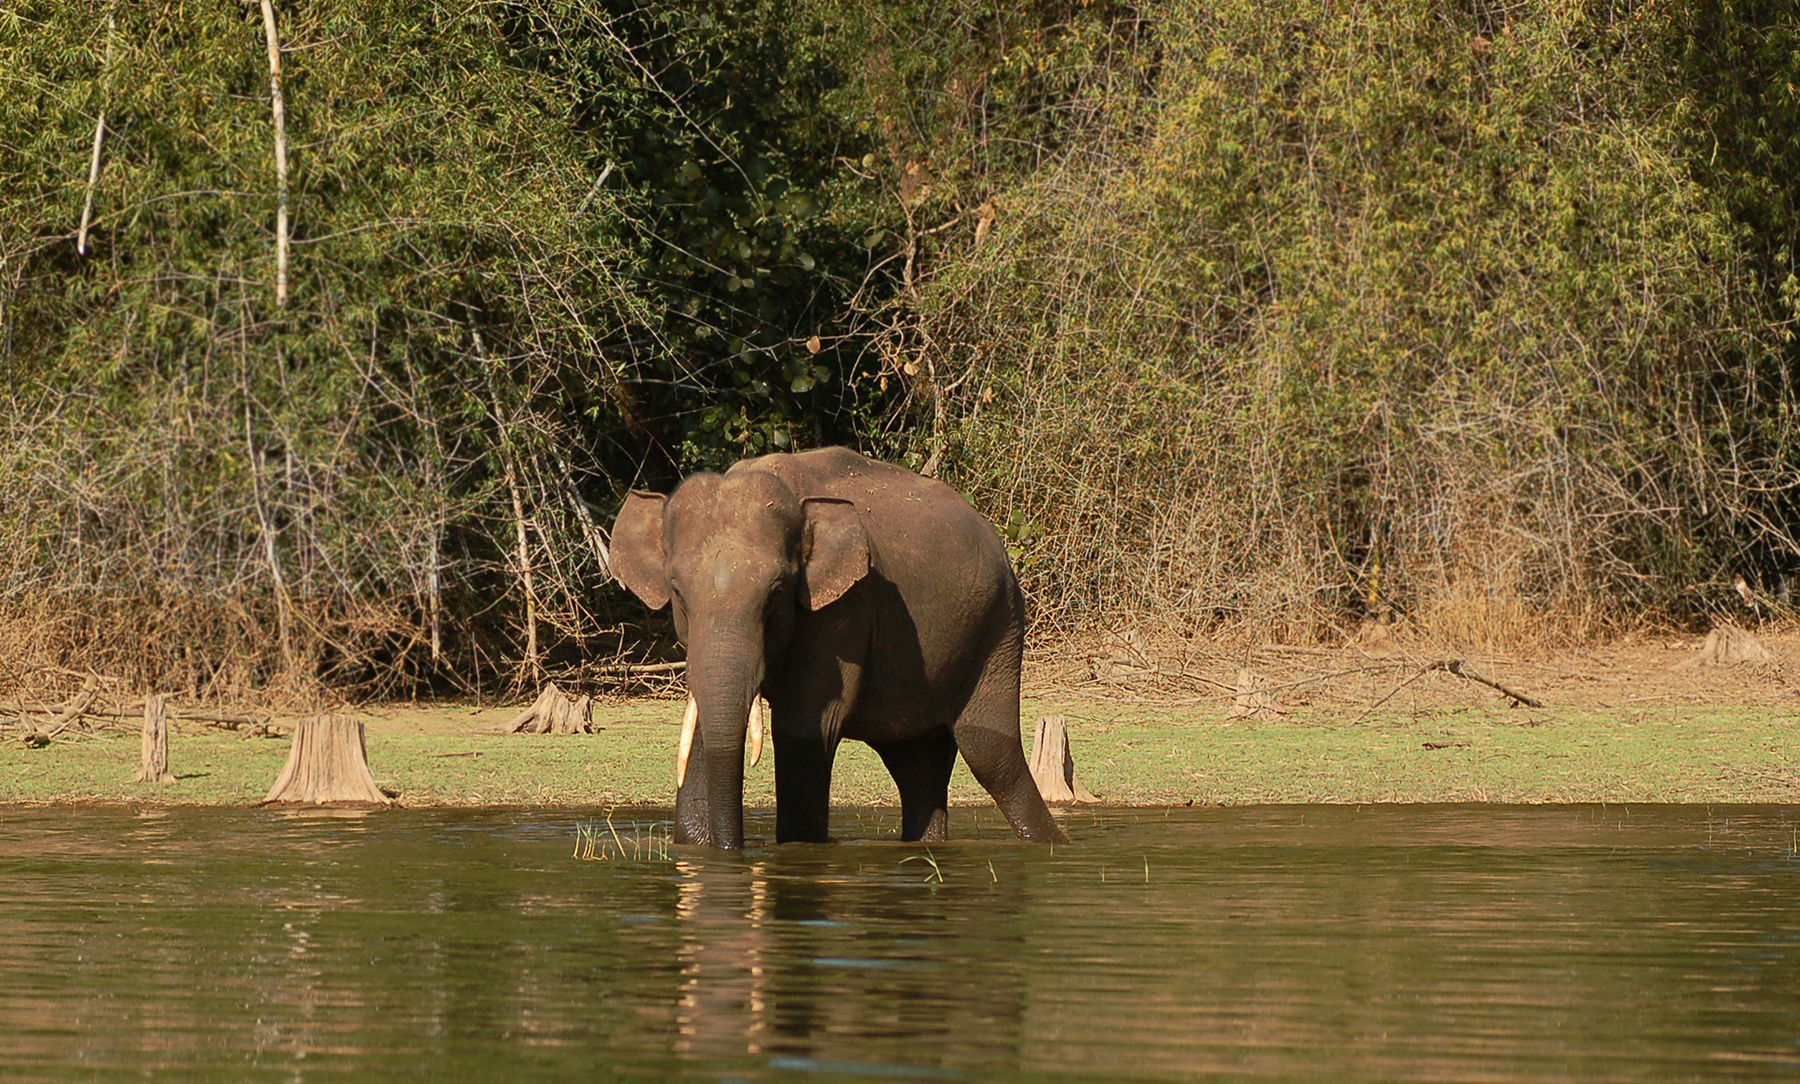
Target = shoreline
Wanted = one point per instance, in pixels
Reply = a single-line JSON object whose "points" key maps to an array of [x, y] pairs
{"points": [[1131, 755]]}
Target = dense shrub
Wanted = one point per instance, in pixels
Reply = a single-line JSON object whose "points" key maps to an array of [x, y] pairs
{"points": [[1371, 307], [540, 251]]}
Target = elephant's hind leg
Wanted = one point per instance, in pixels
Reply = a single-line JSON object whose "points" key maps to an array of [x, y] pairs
{"points": [[987, 733], [921, 769]]}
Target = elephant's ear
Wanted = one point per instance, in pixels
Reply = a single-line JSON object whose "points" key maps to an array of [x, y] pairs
{"points": [[835, 552], [637, 548]]}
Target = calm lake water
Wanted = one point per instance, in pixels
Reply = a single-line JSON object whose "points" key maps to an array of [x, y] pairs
{"points": [[1381, 943]]}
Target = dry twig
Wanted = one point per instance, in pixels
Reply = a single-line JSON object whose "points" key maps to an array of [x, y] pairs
{"points": [[1451, 666]]}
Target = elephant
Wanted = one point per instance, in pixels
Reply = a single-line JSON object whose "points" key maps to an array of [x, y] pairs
{"points": [[861, 601]]}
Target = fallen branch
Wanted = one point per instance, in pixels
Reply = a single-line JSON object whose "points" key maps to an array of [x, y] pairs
{"points": [[1120, 675], [224, 720], [641, 668], [1450, 666], [133, 710], [76, 707], [1456, 667]]}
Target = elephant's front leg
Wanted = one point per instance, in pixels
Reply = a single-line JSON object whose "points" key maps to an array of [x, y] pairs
{"points": [[815, 687], [802, 785]]}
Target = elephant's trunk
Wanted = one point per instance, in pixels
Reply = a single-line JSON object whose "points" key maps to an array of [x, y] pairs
{"points": [[723, 680], [690, 723]]}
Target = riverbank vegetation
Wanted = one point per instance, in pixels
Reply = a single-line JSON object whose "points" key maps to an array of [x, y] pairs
{"points": [[1245, 320]]}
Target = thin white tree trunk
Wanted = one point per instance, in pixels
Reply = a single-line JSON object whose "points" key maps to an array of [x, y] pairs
{"points": [[510, 470], [525, 577], [435, 588], [283, 619], [596, 538], [281, 162], [87, 206]]}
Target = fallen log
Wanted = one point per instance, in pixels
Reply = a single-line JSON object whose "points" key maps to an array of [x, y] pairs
{"points": [[134, 710], [73, 711], [640, 667]]}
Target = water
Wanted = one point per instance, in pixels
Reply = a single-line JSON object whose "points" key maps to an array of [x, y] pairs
{"points": [[1386, 943]]}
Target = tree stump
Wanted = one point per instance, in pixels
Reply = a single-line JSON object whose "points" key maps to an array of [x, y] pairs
{"points": [[1253, 695], [1052, 767], [153, 764], [328, 765], [1728, 645], [553, 713]]}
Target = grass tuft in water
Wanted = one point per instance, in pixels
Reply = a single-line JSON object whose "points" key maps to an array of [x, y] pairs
{"points": [[600, 841], [937, 873]]}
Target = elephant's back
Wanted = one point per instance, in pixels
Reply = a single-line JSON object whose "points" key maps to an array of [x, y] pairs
{"points": [[912, 520], [954, 593], [945, 605]]}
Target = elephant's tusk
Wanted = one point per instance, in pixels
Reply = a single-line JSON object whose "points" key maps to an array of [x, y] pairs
{"points": [[756, 729], [687, 742]]}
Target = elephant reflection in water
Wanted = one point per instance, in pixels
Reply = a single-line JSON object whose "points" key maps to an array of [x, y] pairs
{"points": [[788, 960], [722, 1007]]}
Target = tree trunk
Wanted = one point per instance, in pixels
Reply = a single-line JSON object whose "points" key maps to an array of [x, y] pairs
{"points": [[87, 207], [153, 764], [327, 765], [1052, 767], [278, 109], [1254, 695]]}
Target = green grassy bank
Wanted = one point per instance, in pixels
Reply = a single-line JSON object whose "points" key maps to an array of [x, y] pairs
{"points": [[1128, 755]]}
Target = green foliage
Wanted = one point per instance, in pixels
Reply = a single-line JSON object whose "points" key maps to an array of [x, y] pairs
{"points": [[1235, 312], [539, 250], [172, 432], [1418, 306]]}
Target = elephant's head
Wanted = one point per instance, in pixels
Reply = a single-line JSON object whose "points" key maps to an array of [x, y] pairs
{"points": [[739, 557]]}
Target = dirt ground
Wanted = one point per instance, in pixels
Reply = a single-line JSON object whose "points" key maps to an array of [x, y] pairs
{"points": [[1375, 672], [1640, 720]]}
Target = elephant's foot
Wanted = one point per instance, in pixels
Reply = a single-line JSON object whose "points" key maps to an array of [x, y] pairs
{"points": [[936, 829]]}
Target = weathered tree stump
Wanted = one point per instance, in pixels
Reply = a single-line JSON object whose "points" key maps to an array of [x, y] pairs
{"points": [[553, 713], [1728, 645], [1253, 695], [1052, 767], [328, 765], [153, 764]]}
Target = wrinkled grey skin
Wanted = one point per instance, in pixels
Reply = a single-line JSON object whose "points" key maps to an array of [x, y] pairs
{"points": [[862, 601]]}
